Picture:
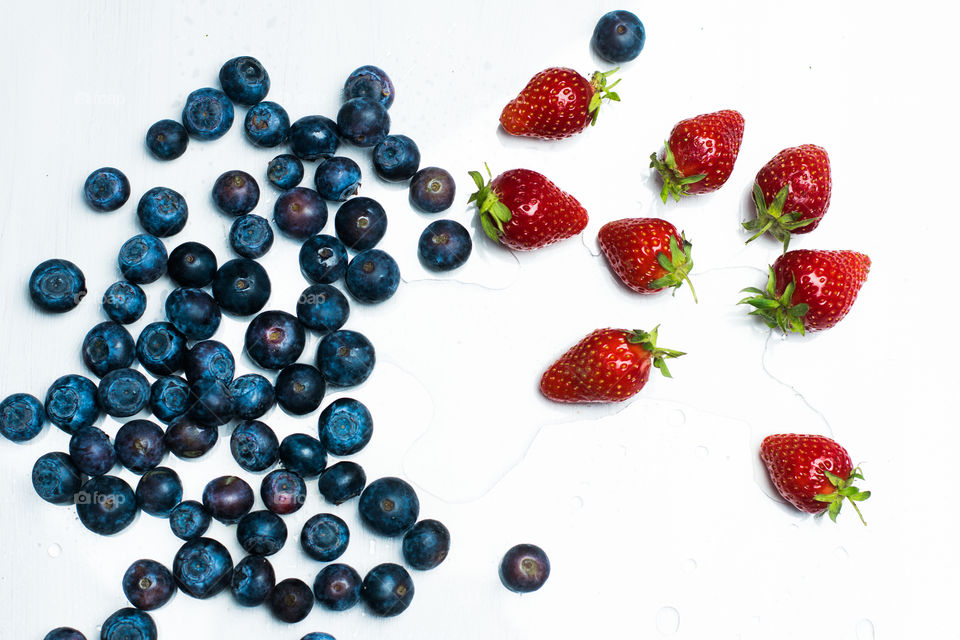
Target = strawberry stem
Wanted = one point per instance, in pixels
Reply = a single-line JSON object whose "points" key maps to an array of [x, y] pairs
{"points": [[674, 183], [772, 218], [493, 213], [648, 342], [777, 311], [601, 92], [677, 266]]}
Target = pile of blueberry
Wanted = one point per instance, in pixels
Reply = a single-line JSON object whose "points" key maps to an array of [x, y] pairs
{"points": [[195, 391]]}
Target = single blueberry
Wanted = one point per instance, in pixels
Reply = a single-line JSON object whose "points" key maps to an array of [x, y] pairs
{"points": [[299, 388], [142, 259], [167, 139], [323, 308], [92, 452], [56, 479], [323, 259], [127, 624], [524, 568], [244, 80], [123, 393], [252, 581], [345, 358], [432, 190], [360, 223], [208, 359], [22, 416], [140, 445], [241, 287], [396, 158], [337, 587], [106, 505], [124, 302], [337, 178], [207, 114], [444, 245], [387, 590], [169, 398], [227, 499], [291, 600], [369, 81], [426, 545], [71, 404], [618, 36], [300, 212], [148, 585], [192, 264], [274, 339], [341, 482], [302, 454], [253, 396], [283, 491], [64, 633], [236, 192], [345, 427], [193, 312], [324, 537], [202, 567], [314, 137], [372, 276], [57, 285], [162, 212], [160, 348], [267, 124], [251, 236], [389, 506], [106, 347], [261, 533], [317, 635], [254, 446], [106, 189], [159, 491], [211, 403], [187, 439], [285, 171], [363, 122], [188, 520]]}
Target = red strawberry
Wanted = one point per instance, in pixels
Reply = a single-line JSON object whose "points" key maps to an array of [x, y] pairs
{"points": [[813, 473], [792, 193], [557, 103], [809, 290], [648, 254], [609, 365], [699, 155], [523, 210]]}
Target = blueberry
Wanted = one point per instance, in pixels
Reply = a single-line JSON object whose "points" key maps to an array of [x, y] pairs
{"points": [[261, 533], [160, 348], [169, 398], [71, 404], [363, 122], [324, 537], [426, 545], [252, 581], [291, 600], [360, 223], [314, 137], [524, 568], [389, 506], [241, 287], [192, 264], [323, 259], [283, 491], [129, 623], [432, 190], [227, 499], [140, 445], [106, 505], [162, 212], [369, 82], [236, 192], [208, 359], [345, 358], [193, 312], [323, 308], [57, 285], [55, 478], [337, 178], [106, 347], [387, 590], [444, 245], [303, 455], [106, 189], [244, 80], [253, 396], [142, 259], [285, 171], [188, 520], [124, 302], [159, 491], [396, 158], [211, 403], [341, 482], [251, 236], [274, 339], [123, 393], [618, 36], [372, 276], [316, 635], [300, 212], [188, 439], [92, 452], [148, 585], [267, 124], [208, 114], [345, 427], [64, 633], [167, 139], [202, 567], [300, 388], [254, 446], [337, 587], [22, 416]]}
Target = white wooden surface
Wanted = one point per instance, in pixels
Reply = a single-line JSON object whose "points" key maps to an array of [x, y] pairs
{"points": [[656, 515]]}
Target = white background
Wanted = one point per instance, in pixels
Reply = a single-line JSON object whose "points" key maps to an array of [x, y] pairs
{"points": [[656, 514]]}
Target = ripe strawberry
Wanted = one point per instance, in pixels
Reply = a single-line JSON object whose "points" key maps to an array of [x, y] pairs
{"points": [[791, 193], [648, 254], [523, 210], [698, 157], [809, 290], [609, 365], [813, 473], [557, 103]]}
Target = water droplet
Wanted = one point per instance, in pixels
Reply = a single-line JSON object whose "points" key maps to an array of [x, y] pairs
{"points": [[54, 550], [576, 502], [841, 553], [676, 418], [865, 630], [702, 452], [689, 565], [668, 621]]}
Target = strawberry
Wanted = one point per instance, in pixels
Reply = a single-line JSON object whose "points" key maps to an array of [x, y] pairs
{"points": [[523, 210], [557, 103], [809, 290], [609, 365], [813, 473], [791, 193], [698, 156], [648, 254]]}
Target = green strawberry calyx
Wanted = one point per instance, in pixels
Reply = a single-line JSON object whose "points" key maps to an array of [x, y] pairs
{"points": [[773, 218], [777, 311], [674, 183], [493, 213], [677, 266], [601, 92], [648, 342], [844, 491]]}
